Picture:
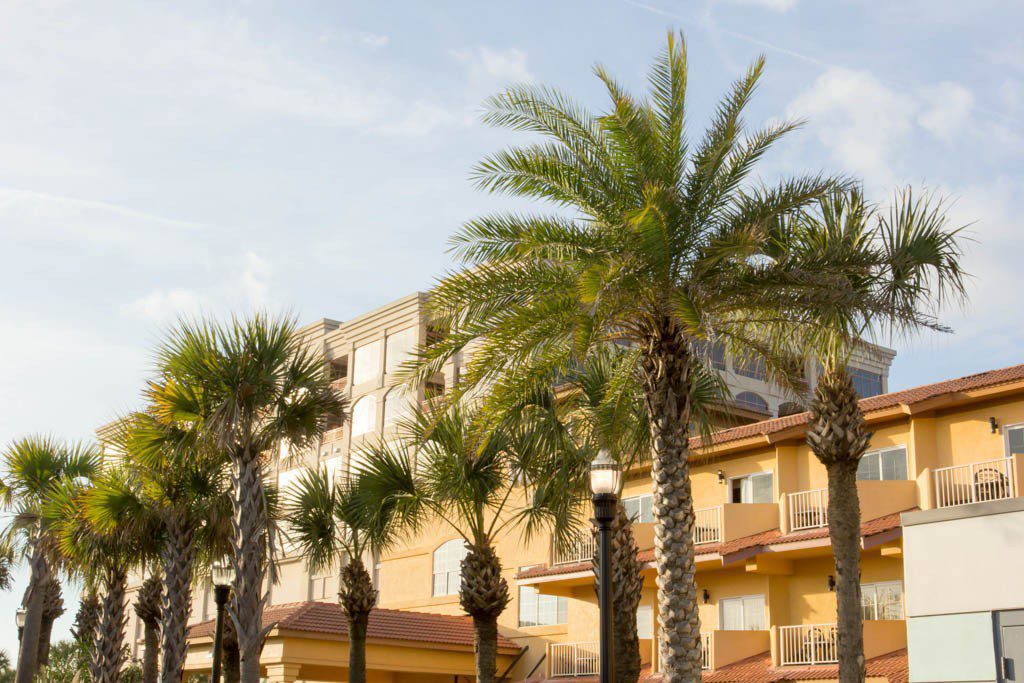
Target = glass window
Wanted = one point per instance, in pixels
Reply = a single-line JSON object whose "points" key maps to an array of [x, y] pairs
{"points": [[396, 405], [743, 614], [640, 508], [400, 347], [448, 566], [866, 383], [753, 488], [714, 353], [790, 408], [751, 401], [645, 622], [752, 367], [323, 587], [1015, 439], [888, 464], [364, 415], [536, 609], [367, 363], [882, 601]]}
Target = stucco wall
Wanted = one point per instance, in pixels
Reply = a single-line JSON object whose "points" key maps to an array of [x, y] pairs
{"points": [[951, 647]]}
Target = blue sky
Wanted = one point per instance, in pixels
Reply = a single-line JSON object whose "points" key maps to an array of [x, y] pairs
{"points": [[166, 158]]}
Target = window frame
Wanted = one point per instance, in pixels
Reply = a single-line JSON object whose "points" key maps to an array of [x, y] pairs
{"points": [[751, 475], [1017, 426], [743, 598], [874, 586], [355, 370], [389, 367], [559, 604], [448, 573], [640, 507], [766, 408], [368, 399], [877, 452]]}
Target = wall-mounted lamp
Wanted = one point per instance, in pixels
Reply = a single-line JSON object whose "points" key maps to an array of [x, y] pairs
{"points": [[721, 477], [831, 583], [705, 596], [993, 424]]}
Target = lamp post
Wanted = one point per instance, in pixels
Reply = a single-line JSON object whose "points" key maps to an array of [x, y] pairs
{"points": [[223, 575], [605, 480], [19, 620]]}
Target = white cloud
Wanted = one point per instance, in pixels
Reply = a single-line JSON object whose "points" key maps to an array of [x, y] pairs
{"points": [[164, 305], [488, 66], [255, 279], [947, 109], [774, 5], [374, 40]]}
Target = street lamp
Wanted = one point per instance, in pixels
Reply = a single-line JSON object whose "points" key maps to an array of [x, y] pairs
{"points": [[605, 481], [19, 619], [223, 575]]}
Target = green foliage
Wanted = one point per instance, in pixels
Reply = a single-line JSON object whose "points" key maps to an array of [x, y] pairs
{"points": [[6, 669]]}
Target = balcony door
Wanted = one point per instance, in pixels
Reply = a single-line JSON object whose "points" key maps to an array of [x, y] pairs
{"points": [[745, 613], [753, 488], [1010, 645]]}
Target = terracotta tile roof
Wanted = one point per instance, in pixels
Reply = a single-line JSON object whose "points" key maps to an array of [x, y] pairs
{"points": [[385, 624], [759, 669], [758, 541], [910, 396]]}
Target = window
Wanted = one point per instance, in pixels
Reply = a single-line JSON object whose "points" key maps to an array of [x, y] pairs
{"points": [[713, 352], [448, 566], [1014, 439], [751, 401], [790, 408], [866, 383], [364, 415], [887, 464], [882, 601], [396, 405], [753, 488], [536, 609], [367, 363], [640, 508], [400, 347], [323, 587], [644, 622], [742, 614], [752, 367]]}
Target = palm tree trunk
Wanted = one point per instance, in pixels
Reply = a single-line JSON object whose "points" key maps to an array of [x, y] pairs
{"points": [[28, 655], [484, 595], [837, 436], [627, 589], [148, 608], [249, 522], [84, 631], [109, 654], [53, 608], [665, 367], [230, 659], [177, 557], [357, 597]]}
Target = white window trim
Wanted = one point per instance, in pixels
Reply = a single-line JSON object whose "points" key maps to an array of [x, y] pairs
{"points": [[875, 585], [879, 451], [721, 609], [434, 573], [769, 473], [1006, 437]]}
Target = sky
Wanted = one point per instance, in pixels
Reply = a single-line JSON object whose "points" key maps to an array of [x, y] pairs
{"points": [[160, 159]]}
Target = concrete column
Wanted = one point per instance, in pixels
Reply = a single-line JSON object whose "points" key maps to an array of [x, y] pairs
{"points": [[282, 673]]}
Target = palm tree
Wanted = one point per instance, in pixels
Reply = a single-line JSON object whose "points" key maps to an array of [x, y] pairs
{"points": [[251, 386], [35, 467], [83, 631], [53, 608], [900, 266], [464, 475], [658, 241], [337, 522], [148, 609]]}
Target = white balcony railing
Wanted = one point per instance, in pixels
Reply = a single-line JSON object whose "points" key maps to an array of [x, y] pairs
{"points": [[808, 644], [808, 509], [579, 550], [974, 483], [705, 650], [707, 525], [573, 659]]}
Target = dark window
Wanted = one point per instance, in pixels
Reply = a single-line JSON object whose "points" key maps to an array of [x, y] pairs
{"points": [[713, 353], [790, 408], [751, 401], [866, 383], [752, 367]]}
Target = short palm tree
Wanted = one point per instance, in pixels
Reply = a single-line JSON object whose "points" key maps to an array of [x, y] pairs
{"points": [[148, 609], [898, 267], [463, 475], [35, 467], [250, 386], [657, 240], [334, 522], [83, 630], [53, 608]]}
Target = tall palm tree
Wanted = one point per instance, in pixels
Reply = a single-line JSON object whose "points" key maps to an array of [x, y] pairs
{"points": [[53, 608], [83, 630], [657, 240], [251, 386], [898, 268], [91, 530], [463, 475], [35, 467], [335, 522], [148, 609]]}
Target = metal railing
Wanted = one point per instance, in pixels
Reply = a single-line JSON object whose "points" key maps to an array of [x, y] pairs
{"points": [[574, 659], [705, 650], [808, 644], [808, 509], [707, 525], [976, 482], [579, 550]]}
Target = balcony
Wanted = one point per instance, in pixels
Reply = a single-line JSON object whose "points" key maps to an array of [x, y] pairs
{"points": [[721, 648], [580, 549], [806, 510], [808, 644], [975, 482], [573, 659]]}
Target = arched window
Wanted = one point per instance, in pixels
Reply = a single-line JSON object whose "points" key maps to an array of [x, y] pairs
{"points": [[396, 405], [790, 408], [751, 401], [364, 415], [448, 566]]}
